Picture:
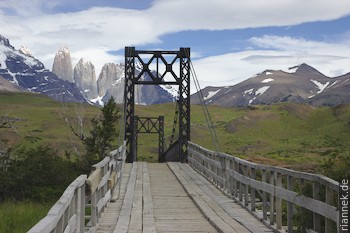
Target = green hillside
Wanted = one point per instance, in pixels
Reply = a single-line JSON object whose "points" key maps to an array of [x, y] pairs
{"points": [[286, 134], [38, 120]]}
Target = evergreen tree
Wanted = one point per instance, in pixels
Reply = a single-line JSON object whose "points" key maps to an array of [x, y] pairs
{"points": [[104, 131]]}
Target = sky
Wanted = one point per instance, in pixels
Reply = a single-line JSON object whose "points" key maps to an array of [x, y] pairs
{"points": [[230, 40]]}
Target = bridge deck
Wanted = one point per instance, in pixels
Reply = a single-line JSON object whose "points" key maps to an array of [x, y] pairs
{"points": [[173, 198]]}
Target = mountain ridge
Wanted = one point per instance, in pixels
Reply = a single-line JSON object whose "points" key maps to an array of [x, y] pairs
{"points": [[301, 84], [20, 68]]}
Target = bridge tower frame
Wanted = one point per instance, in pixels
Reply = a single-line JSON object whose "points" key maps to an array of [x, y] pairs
{"points": [[144, 58]]}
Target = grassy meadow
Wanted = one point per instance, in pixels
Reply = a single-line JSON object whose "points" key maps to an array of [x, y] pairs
{"points": [[20, 217], [291, 135], [39, 120]]}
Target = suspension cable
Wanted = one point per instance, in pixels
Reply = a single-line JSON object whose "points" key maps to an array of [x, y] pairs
{"points": [[208, 119], [172, 137]]}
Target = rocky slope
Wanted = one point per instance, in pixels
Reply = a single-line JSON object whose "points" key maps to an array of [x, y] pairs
{"points": [[7, 86], [27, 73], [302, 84]]}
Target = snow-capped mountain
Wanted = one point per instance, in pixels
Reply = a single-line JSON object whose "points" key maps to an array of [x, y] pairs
{"points": [[110, 81], [302, 84], [20, 68]]}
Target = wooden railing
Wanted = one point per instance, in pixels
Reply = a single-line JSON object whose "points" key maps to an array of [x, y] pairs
{"points": [[285, 200], [85, 195]]}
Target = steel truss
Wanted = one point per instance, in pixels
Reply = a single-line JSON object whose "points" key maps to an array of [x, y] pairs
{"points": [[152, 125], [144, 59]]}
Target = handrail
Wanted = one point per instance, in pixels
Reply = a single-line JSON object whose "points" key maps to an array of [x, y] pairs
{"points": [[277, 196], [85, 193]]}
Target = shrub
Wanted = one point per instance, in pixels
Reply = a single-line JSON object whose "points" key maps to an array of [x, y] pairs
{"points": [[38, 174]]}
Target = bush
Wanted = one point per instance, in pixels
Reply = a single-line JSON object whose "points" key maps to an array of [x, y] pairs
{"points": [[337, 166], [38, 174]]}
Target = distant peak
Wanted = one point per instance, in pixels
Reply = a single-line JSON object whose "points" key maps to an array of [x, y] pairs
{"points": [[301, 69], [305, 68]]}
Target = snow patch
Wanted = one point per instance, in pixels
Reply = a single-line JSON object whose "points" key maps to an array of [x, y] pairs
{"points": [[173, 91], [320, 86], [251, 101], [32, 89], [267, 73], [211, 94], [2, 60], [262, 90], [98, 100], [14, 80], [250, 91], [267, 80]]}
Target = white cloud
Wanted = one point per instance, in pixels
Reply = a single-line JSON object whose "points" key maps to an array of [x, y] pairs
{"points": [[281, 53], [94, 31], [174, 15]]}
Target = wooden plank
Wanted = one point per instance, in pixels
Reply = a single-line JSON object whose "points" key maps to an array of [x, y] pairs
{"points": [[103, 201], [136, 211], [111, 214], [241, 219], [125, 214], [170, 212], [148, 217], [216, 215], [71, 226]]}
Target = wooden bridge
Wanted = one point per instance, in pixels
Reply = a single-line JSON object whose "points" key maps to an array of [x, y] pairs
{"points": [[207, 192], [211, 193]]}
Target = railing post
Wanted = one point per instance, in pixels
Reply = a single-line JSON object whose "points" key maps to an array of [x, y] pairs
{"points": [[81, 209], [279, 202], [94, 209], [290, 206], [235, 185], [329, 200], [272, 200], [246, 187], [252, 190], [240, 183], [316, 217], [227, 175], [264, 195]]}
